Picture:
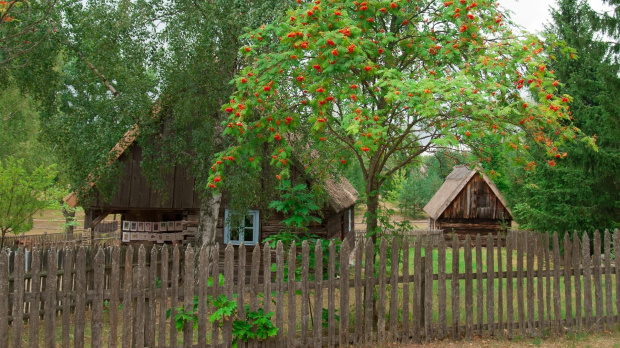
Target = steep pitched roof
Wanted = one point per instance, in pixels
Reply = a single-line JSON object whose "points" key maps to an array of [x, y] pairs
{"points": [[454, 184]]}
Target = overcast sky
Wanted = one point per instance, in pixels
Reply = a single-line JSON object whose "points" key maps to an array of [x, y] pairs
{"points": [[533, 14]]}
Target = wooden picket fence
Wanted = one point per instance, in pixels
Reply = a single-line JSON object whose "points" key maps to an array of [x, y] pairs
{"points": [[398, 291]]}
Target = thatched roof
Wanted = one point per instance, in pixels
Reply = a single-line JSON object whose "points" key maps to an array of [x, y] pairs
{"points": [[342, 195], [454, 184]]}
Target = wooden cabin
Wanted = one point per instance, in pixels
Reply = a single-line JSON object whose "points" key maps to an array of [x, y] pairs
{"points": [[468, 202], [148, 216]]}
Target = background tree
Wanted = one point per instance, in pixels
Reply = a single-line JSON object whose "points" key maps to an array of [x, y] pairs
{"points": [[583, 191], [382, 82], [22, 194]]}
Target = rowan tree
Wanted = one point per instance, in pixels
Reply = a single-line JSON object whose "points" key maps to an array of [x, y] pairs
{"points": [[384, 81]]}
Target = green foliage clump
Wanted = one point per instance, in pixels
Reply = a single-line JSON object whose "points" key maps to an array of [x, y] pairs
{"points": [[297, 202]]}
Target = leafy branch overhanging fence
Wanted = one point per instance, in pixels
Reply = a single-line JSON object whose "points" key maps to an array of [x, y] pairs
{"points": [[401, 290]]}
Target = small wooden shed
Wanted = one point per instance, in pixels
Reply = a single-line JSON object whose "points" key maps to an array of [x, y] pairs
{"points": [[468, 202]]}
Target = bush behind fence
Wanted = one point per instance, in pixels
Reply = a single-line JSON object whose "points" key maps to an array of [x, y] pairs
{"points": [[404, 289]]}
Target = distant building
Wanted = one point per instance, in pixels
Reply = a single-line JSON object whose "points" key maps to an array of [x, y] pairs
{"points": [[468, 202]]}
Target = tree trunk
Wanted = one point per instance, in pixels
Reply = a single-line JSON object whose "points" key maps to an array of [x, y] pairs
{"points": [[2, 240], [372, 207], [207, 225]]}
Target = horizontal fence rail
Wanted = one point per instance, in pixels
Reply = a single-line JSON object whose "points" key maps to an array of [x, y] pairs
{"points": [[411, 289]]}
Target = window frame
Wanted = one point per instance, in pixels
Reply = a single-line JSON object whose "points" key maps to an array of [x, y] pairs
{"points": [[255, 229]]}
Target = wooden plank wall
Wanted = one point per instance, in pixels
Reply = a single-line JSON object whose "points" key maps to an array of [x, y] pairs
{"points": [[51, 293], [476, 201]]}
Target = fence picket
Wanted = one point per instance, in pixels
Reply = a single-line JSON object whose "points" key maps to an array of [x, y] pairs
{"points": [[50, 298], [490, 286], [617, 265], [292, 306], [4, 300], [35, 302], [381, 291], [174, 292], [345, 273], [254, 290], [577, 272], [598, 287], [331, 296], [609, 310], [394, 290], [557, 300], [500, 292], [509, 286], [80, 298], [151, 314], [441, 289], [406, 281], [229, 279], [418, 315], [18, 298], [203, 277], [318, 295], [520, 300], [540, 295], [587, 281], [369, 289], [141, 276], [548, 283], [97, 304], [66, 296], [456, 313], [530, 284], [305, 293], [479, 287], [568, 298], [267, 278], [188, 294], [114, 298], [279, 292], [163, 294], [241, 273], [469, 295], [427, 299]]}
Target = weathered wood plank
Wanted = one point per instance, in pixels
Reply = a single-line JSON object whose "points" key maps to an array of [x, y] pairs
{"points": [[345, 272], [394, 262], [67, 282], [318, 295], [509, 286], [577, 271], [381, 291], [141, 276], [97, 305], [490, 304], [568, 298], [520, 300], [530, 244], [241, 279], [331, 296], [35, 303], [229, 280], [115, 276], [51, 301], [557, 301], [151, 318], [292, 299], [609, 310], [479, 287], [174, 293], [4, 300], [428, 290], [617, 264], [587, 282], [18, 299], [188, 294], [540, 295], [279, 293], [305, 293], [456, 313], [500, 290], [164, 294], [80, 299], [441, 289], [203, 271], [418, 277], [548, 282], [369, 291], [469, 296], [598, 286], [254, 289]]}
